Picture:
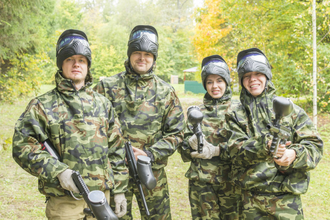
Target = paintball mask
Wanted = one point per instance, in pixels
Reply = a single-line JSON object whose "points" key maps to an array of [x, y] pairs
{"points": [[253, 60], [216, 65], [143, 38], [72, 42]]}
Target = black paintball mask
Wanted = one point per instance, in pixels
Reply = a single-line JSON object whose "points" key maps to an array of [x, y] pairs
{"points": [[143, 38], [215, 65], [72, 42], [253, 60]]}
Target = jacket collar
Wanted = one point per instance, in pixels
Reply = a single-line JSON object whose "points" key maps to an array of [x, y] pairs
{"points": [[209, 101], [66, 85], [246, 98], [135, 76]]}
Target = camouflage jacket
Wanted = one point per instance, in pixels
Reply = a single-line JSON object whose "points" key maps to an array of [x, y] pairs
{"points": [[216, 169], [83, 128], [254, 168], [150, 113]]}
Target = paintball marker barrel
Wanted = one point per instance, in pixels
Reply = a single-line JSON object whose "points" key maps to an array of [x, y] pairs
{"points": [[195, 118]]}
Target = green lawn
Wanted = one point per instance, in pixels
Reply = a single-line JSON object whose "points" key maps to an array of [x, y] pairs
{"points": [[20, 199]]}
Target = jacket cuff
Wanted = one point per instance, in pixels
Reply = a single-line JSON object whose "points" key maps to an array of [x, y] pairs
{"points": [[150, 155]]}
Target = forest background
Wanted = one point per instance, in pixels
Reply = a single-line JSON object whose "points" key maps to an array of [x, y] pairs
{"points": [[188, 31], [282, 29]]}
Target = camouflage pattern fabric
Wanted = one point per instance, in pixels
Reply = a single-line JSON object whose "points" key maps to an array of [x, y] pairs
{"points": [[271, 207], [253, 166], [150, 113], [158, 199], [83, 127], [212, 174], [214, 201]]}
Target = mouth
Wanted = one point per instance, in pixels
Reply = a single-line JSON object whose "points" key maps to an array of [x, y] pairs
{"points": [[255, 86]]}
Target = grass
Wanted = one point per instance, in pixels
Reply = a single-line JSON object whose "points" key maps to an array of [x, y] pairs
{"points": [[20, 199]]}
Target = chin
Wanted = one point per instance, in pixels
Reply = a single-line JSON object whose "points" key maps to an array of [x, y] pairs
{"points": [[216, 96]]}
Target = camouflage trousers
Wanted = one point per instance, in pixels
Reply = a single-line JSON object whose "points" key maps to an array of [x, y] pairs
{"points": [[214, 201], [158, 199], [260, 206]]}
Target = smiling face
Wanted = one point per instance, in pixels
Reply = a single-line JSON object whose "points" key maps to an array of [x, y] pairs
{"points": [[254, 82], [215, 86], [76, 69], [141, 61]]}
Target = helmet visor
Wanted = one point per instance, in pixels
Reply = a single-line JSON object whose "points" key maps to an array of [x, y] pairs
{"points": [[254, 56], [217, 63], [140, 33], [67, 40]]}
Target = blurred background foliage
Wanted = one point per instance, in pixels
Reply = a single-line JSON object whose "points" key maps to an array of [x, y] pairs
{"points": [[187, 33]]}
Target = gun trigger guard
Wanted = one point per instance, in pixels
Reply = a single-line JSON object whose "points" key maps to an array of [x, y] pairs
{"points": [[74, 196]]}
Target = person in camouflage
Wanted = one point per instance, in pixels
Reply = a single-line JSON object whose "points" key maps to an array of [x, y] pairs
{"points": [[82, 125], [150, 114], [271, 184], [211, 194]]}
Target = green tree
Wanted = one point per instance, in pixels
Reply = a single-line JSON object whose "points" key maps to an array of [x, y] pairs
{"points": [[22, 37], [282, 29]]}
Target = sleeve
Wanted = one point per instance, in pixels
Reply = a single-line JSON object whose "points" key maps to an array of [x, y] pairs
{"points": [[173, 130], [184, 149], [306, 142], [27, 150], [243, 149], [117, 153]]}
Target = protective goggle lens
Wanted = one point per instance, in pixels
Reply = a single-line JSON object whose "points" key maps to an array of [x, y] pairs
{"points": [[139, 34], [254, 56], [217, 63], [68, 40]]}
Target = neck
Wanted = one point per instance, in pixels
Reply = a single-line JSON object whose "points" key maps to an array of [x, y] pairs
{"points": [[78, 85]]}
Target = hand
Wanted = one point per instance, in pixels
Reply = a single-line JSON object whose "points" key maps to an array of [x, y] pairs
{"points": [[209, 151], [138, 152], [288, 156], [193, 142], [66, 181], [281, 149], [121, 204]]}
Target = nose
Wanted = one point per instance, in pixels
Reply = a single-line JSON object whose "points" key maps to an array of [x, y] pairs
{"points": [[75, 62], [142, 56], [253, 77]]}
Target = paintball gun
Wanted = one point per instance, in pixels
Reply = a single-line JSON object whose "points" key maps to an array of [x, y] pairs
{"points": [[195, 118], [282, 107], [141, 172], [96, 200]]}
